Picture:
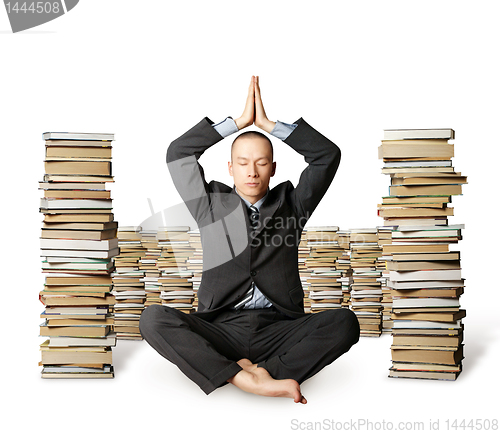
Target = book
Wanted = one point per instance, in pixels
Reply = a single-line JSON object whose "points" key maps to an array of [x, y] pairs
{"points": [[401, 134]]}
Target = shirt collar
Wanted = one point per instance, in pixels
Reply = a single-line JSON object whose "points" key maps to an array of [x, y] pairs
{"points": [[256, 204]]}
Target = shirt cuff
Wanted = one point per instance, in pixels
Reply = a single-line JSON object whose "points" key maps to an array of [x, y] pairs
{"points": [[226, 127], [282, 130]]}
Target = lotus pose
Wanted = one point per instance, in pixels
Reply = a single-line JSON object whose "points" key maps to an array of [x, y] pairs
{"points": [[250, 328]]}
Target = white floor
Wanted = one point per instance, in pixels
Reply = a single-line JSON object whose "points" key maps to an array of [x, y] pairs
{"points": [[148, 392]]}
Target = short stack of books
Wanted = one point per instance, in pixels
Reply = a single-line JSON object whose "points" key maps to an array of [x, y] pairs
{"points": [[149, 265], [175, 278], [424, 275], [344, 263], [128, 287], [195, 263], [325, 286], [385, 238], [78, 242], [366, 292], [303, 253]]}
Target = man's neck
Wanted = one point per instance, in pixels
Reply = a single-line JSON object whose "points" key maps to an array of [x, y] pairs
{"points": [[252, 199]]}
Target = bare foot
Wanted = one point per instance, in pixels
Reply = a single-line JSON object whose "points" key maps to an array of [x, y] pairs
{"points": [[258, 381]]}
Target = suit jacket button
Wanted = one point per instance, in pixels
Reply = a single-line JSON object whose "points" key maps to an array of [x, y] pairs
{"points": [[253, 273]]}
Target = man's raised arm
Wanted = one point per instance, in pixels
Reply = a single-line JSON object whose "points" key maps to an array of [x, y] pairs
{"points": [[320, 153], [183, 155]]}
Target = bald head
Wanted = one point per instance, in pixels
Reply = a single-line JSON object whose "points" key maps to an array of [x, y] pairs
{"points": [[249, 136]]}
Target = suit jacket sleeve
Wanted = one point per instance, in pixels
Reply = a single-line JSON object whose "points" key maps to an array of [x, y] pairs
{"points": [[323, 158], [187, 174]]}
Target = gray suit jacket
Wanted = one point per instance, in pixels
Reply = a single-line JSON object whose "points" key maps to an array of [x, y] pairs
{"points": [[232, 257]]}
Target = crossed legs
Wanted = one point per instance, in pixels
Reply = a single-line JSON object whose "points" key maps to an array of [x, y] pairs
{"points": [[260, 351]]}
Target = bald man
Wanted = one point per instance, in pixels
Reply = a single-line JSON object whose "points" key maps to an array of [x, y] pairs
{"points": [[250, 328]]}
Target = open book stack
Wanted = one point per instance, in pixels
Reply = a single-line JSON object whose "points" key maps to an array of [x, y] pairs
{"points": [[175, 278], [325, 286], [424, 275], [366, 289], [128, 285], [77, 243]]}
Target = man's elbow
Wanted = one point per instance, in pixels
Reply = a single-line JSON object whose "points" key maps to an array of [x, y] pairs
{"points": [[335, 157], [173, 151]]}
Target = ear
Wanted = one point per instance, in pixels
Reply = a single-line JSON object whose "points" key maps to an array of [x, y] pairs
{"points": [[230, 168], [274, 168]]}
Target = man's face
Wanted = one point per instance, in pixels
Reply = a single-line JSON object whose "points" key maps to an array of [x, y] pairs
{"points": [[251, 167]]}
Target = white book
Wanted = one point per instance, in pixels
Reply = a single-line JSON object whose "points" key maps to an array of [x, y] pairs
{"points": [[438, 133], [427, 284], [81, 253], [426, 233], [72, 186], [404, 276], [174, 229], [55, 260], [77, 136], [425, 302], [324, 294], [76, 266], [407, 324], [76, 203], [49, 243], [108, 341], [322, 228]]}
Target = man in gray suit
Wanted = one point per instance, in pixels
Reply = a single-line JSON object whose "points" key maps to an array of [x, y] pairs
{"points": [[250, 328]]}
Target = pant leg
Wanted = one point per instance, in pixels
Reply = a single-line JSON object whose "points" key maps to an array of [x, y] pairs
{"points": [[203, 351], [300, 348]]}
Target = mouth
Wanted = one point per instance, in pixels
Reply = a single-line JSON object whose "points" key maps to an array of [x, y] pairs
{"points": [[252, 184]]}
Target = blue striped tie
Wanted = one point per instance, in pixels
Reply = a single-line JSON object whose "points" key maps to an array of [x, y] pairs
{"points": [[254, 222]]}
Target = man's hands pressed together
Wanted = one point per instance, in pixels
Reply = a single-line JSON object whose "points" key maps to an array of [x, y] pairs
{"points": [[254, 112]]}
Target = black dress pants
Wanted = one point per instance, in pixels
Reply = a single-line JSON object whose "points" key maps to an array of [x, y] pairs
{"points": [[207, 352]]}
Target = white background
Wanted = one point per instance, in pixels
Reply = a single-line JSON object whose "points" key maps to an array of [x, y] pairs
{"points": [[148, 71]]}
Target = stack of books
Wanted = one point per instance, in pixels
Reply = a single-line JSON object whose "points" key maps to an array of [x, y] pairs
{"points": [[195, 263], [77, 243], [344, 263], [424, 275], [304, 273], [175, 279], [148, 263], [128, 287], [325, 286], [366, 289], [384, 238]]}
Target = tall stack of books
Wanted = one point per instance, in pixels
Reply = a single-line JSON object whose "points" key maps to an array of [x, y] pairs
{"points": [[128, 287], [175, 278], [325, 287], [77, 243], [424, 275], [366, 292]]}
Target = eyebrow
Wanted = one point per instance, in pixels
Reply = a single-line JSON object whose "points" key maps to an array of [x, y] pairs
{"points": [[257, 159]]}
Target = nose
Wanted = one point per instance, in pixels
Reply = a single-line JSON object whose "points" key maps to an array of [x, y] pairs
{"points": [[252, 171]]}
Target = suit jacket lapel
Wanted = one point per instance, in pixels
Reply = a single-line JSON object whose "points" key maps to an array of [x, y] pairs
{"points": [[231, 201]]}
